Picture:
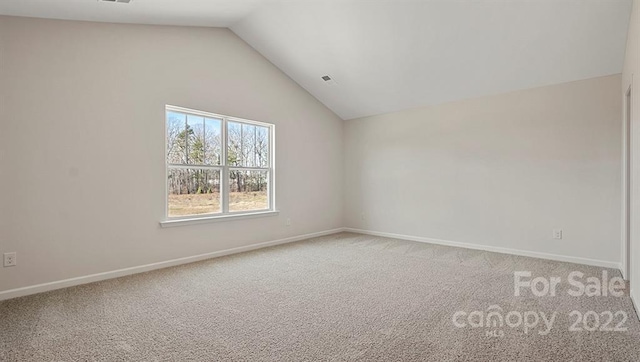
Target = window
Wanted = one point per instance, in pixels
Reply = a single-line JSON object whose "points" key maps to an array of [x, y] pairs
{"points": [[217, 165]]}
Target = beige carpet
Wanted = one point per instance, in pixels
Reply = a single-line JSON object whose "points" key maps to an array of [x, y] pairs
{"points": [[343, 297]]}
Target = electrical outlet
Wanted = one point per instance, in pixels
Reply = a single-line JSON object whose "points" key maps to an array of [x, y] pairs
{"points": [[10, 259], [288, 222], [557, 234], [363, 216]]}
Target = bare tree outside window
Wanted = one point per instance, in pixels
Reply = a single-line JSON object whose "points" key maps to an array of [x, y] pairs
{"points": [[197, 166]]}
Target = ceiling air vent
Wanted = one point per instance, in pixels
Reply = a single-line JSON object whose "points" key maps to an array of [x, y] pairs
{"points": [[328, 80], [115, 1]]}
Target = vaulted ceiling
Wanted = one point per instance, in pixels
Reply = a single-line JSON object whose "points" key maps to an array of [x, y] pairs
{"points": [[389, 55]]}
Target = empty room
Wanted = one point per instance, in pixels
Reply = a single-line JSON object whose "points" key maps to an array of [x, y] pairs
{"points": [[319, 180]]}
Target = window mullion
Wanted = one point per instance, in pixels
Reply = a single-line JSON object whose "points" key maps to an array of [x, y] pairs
{"points": [[195, 167], [271, 159], [238, 168], [186, 138], [224, 182]]}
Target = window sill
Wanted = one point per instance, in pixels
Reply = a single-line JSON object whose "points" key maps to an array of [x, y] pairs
{"points": [[218, 218]]}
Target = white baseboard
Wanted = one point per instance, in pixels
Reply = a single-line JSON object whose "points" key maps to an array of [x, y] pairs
{"points": [[45, 287], [532, 254]]}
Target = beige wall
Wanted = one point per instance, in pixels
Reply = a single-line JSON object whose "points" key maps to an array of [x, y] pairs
{"points": [[82, 144], [500, 171], [632, 66], [81, 103]]}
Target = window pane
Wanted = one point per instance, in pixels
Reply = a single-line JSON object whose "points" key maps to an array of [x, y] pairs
{"points": [[193, 192], [195, 140], [212, 141], [248, 190], [234, 143], [176, 138], [248, 145], [262, 146]]}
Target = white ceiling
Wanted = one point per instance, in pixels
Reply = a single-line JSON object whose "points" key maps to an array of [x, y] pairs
{"points": [[218, 13], [389, 55], [393, 55]]}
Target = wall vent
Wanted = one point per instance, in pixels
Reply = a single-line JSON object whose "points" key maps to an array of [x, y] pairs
{"points": [[328, 80]]}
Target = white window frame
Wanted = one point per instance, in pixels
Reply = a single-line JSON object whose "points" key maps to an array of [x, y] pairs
{"points": [[224, 169]]}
